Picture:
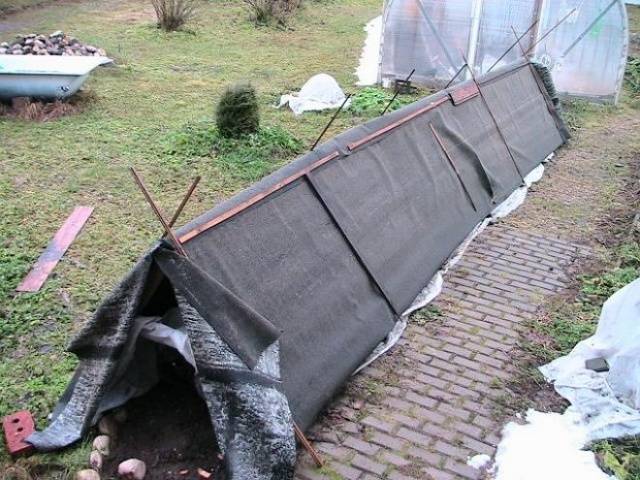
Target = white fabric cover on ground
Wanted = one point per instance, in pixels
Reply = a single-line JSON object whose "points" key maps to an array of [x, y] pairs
{"points": [[320, 92], [603, 405], [367, 71], [609, 402], [548, 447]]}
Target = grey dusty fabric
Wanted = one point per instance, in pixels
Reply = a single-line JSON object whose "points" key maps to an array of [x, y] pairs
{"points": [[284, 300]]}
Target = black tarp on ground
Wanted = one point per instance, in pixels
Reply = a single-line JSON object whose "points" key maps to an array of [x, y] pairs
{"points": [[330, 250]]}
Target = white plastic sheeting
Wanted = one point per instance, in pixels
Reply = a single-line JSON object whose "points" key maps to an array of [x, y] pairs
{"points": [[603, 405], [320, 92], [608, 402], [433, 37], [367, 71], [548, 447]]}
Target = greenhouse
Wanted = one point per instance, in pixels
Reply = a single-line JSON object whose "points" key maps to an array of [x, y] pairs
{"points": [[584, 44]]}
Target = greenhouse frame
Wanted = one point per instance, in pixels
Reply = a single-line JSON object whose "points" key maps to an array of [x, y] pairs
{"points": [[583, 43]]}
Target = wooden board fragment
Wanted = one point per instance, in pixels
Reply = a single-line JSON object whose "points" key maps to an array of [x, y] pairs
{"points": [[55, 250]]}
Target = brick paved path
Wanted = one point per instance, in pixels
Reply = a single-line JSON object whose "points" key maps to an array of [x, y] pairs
{"points": [[430, 402]]}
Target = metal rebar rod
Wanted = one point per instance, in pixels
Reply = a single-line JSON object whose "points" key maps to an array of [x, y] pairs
{"points": [[157, 212], [453, 165], [307, 446], [330, 121], [436, 33], [558, 23], [517, 42], [493, 118], [455, 76], [588, 29], [395, 95]]}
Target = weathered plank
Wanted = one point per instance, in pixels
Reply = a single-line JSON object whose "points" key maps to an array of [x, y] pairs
{"points": [[55, 250]]}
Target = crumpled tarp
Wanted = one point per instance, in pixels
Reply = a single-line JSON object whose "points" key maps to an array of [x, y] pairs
{"points": [[603, 404], [320, 92], [241, 387], [608, 402]]}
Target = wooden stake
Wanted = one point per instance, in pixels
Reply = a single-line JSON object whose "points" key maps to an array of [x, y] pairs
{"points": [[158, 213], [167, 226], [184, 201]]}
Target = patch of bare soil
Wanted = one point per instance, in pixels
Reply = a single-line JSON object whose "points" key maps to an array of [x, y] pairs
{"points": [[169, 429], [580, 185], [8, 10]]}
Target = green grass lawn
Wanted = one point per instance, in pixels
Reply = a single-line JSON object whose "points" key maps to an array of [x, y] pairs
{"points": [[162, 82]]}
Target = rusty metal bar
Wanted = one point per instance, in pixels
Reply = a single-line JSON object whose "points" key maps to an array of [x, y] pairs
{"points": [[256, 198], [158, 213], [396, 124], [395, 95], [453, 165], [346, 99], [307, 446]]}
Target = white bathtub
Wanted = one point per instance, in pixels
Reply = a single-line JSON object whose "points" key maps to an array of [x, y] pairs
{"points": [[44, 76]]}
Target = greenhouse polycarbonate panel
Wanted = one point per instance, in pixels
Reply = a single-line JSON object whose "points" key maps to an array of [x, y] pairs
{"points": [[496, 36], [432, 48], [593, 68], [586, 53]]}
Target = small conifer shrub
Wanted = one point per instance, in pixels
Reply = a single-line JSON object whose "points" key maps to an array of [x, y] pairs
{"points": [[237, 113]]}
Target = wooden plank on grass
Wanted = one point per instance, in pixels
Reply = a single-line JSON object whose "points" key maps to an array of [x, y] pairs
{"points": [[55, 250]]}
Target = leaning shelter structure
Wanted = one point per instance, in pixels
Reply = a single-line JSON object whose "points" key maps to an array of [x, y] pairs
{"points": [[276, 296]]}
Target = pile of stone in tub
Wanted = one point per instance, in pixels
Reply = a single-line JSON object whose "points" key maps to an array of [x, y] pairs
{"points": [[57, 43]]}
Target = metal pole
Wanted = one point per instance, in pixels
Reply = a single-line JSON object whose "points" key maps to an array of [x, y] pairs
{"points": [[330, 122], [455, 76], [591, 25], [453, 165], [493, 118], [474, 33], [436, 33], [561, 21], [517, 42], [158, 213], [395, 95]]}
